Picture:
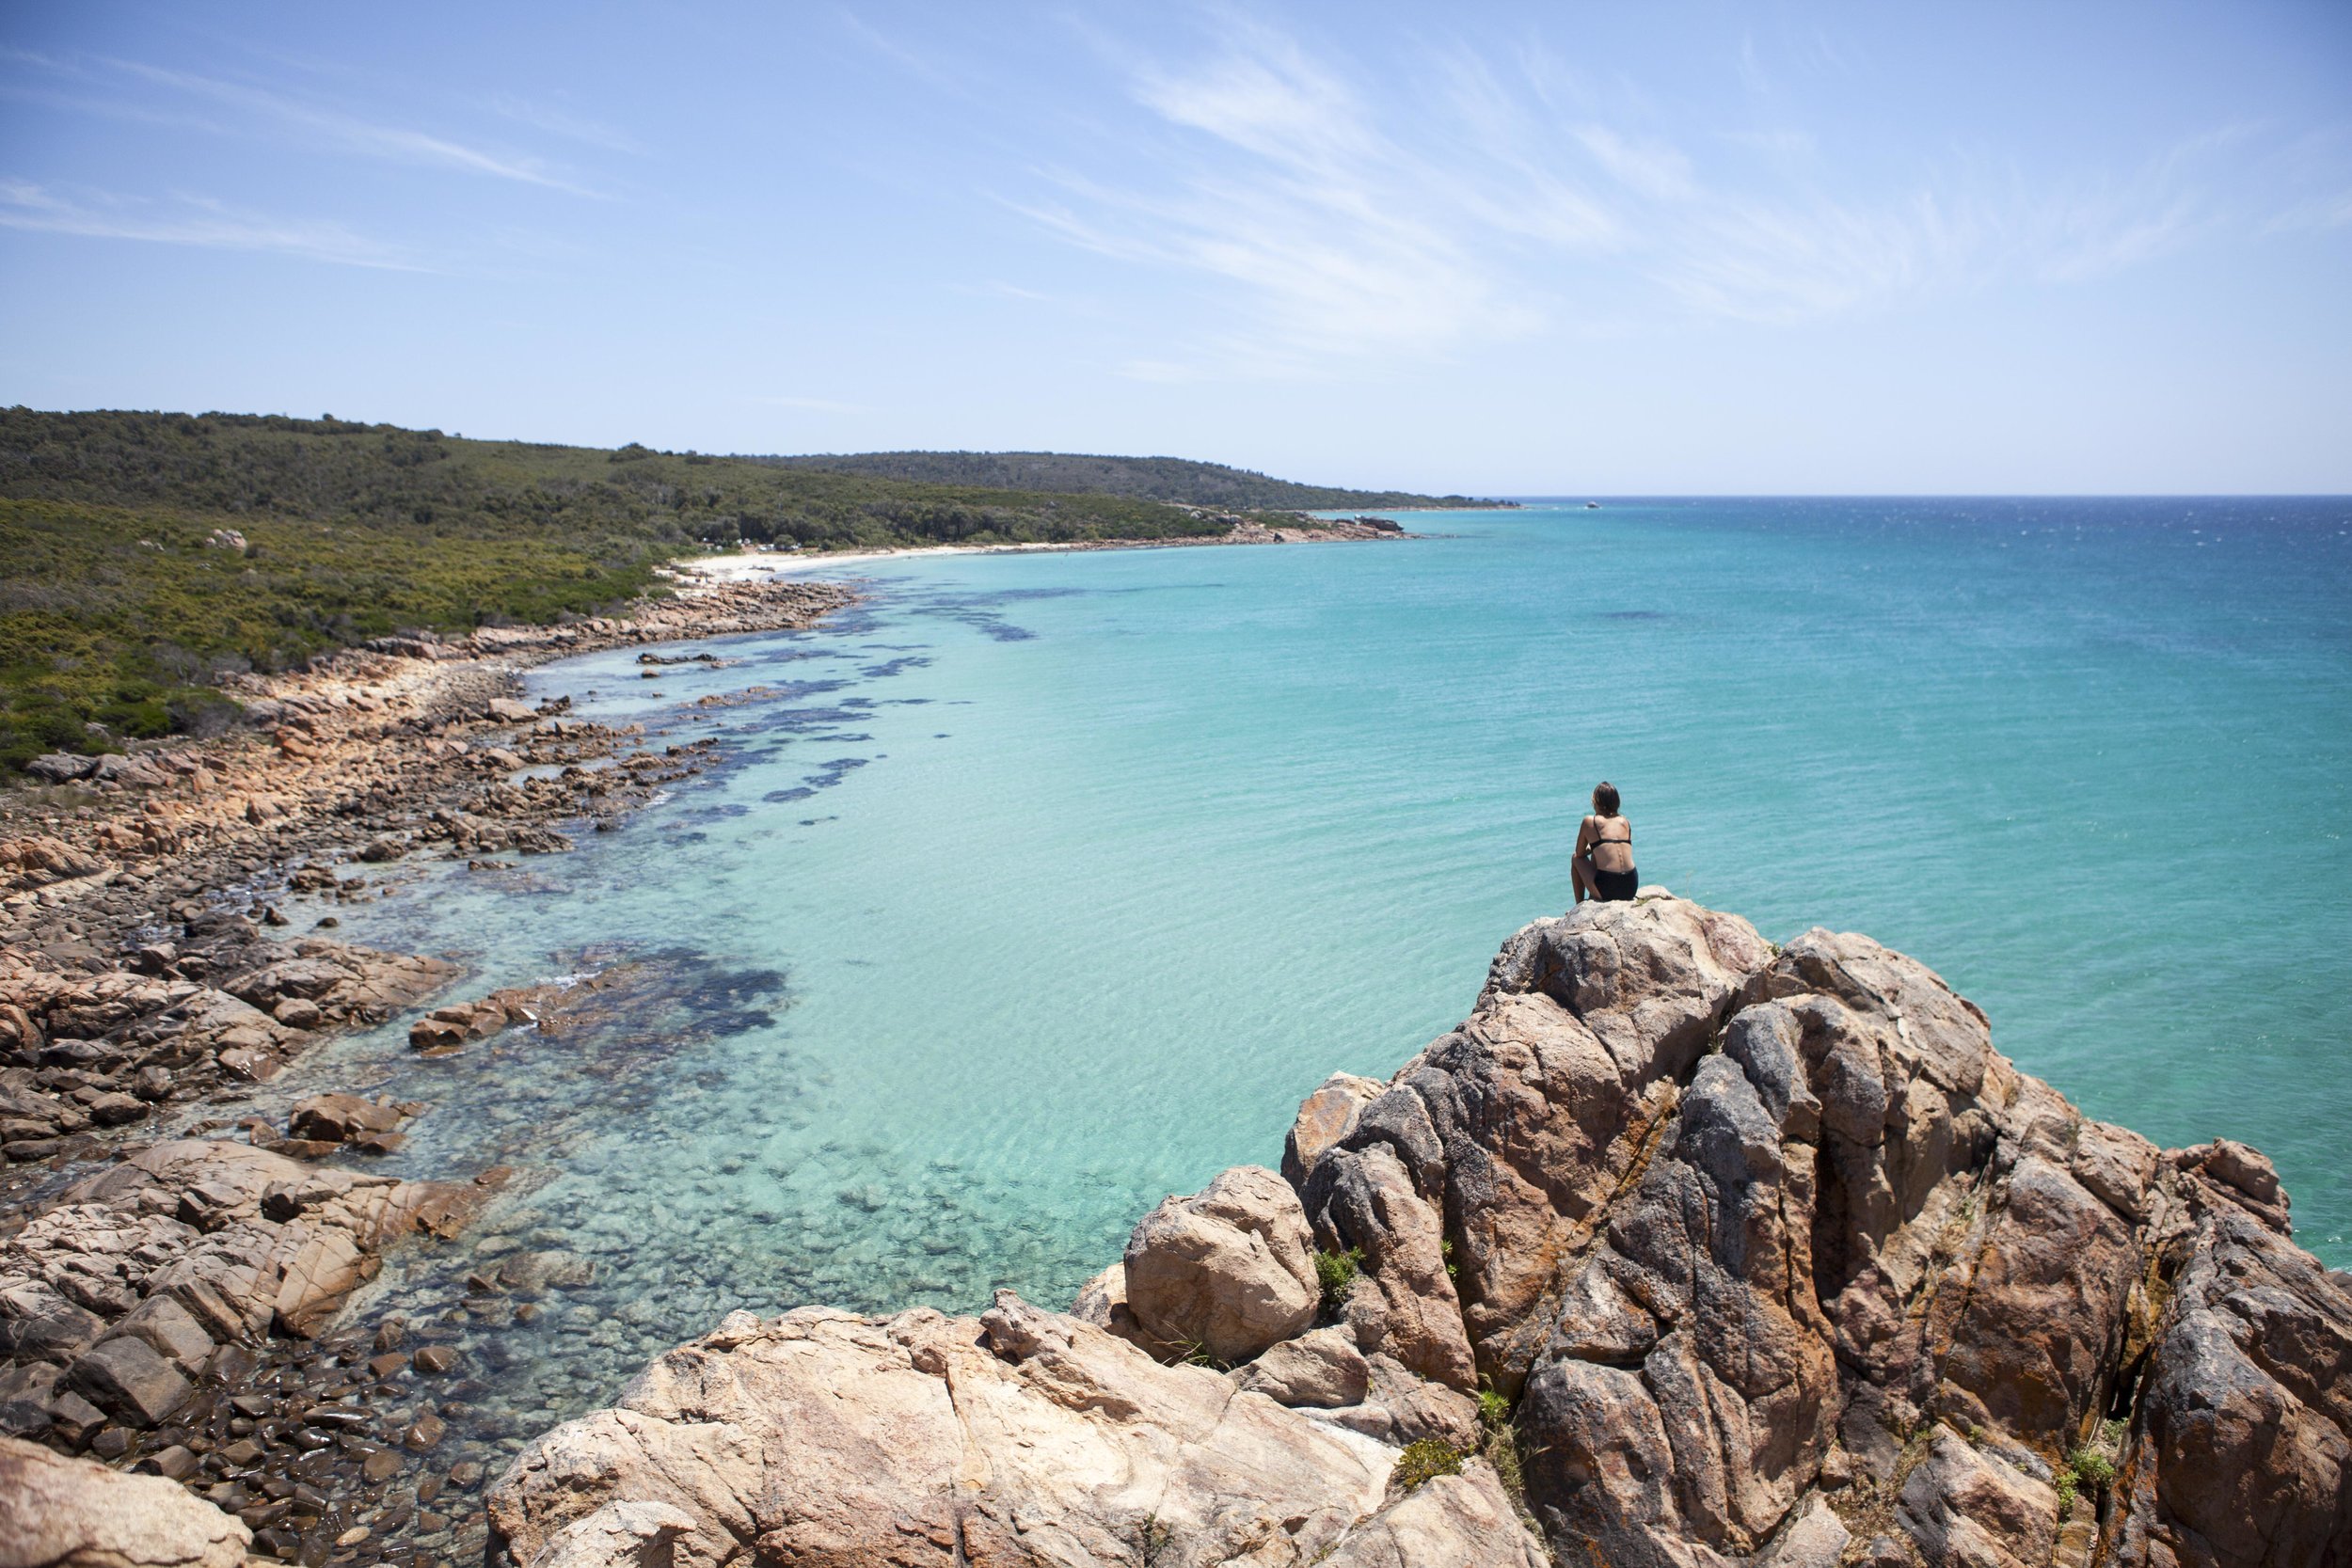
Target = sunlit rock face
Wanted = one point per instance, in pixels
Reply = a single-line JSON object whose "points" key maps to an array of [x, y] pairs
{"points": [[1754, 1254]]}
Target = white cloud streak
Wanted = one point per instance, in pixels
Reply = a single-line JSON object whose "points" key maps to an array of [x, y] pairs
{"points": [[1336, 225], [562, 122], [394, 143], [190, 220], [1341, 237], [270, 113]]}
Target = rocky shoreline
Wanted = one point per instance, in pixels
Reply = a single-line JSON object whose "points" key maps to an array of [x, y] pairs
{"points": [[1681, 1249], [171, 1304]]}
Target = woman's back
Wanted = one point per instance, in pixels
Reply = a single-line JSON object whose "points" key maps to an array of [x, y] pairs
{"points": [[1611, 841], [1602, 866]]}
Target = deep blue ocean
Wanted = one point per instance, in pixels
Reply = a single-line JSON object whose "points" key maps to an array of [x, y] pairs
{"points": [[1045, 885]]}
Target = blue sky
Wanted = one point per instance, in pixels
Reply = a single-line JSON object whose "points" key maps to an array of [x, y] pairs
{"points": [[1557, 248]]}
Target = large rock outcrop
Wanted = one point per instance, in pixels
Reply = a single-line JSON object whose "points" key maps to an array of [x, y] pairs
{"points": [[1020, 1437], [57, 1511], [1742, 1228], [1769, 1256]]}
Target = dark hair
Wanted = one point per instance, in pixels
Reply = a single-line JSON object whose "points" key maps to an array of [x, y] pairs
{"points": [[1605, 799]]}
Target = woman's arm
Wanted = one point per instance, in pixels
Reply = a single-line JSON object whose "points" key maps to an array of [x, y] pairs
{"points": [[1578, 861]]}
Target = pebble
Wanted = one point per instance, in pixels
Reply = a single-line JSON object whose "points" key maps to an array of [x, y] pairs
{"points": [[353, 1536], [175, 1463]]}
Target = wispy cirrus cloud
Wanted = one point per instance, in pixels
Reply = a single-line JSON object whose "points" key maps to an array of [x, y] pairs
{"points": [[395, 143], [134, 89], [190, 220], [1338, 235], [1504, 197], [560, 121]]}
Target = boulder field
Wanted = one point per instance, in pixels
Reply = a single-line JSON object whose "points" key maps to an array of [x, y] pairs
{"points": [[1681, 1251]]}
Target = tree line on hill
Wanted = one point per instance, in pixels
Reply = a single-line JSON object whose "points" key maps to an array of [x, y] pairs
{"points": [[1161, 479], [144, 555]]}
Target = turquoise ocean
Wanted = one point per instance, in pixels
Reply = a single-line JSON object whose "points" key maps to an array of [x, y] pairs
{"points": [[1045, 885]]}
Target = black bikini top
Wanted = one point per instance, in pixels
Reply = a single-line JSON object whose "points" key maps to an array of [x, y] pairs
{"points": [[1599, 841]]}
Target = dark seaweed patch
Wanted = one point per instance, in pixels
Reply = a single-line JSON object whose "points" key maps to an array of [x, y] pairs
{"points": [[977, 611], [827, 775]]}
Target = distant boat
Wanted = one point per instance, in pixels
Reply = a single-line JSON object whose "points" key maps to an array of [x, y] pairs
{"points": [[1591, 506]]}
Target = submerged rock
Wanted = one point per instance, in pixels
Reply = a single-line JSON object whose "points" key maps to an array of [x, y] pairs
{"points": [[335, 1118]]}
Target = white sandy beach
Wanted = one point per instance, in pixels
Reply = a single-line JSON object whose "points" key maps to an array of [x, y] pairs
{"points": [[762, 566], [754, 566]]}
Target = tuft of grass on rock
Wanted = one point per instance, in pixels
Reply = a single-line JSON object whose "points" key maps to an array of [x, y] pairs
{"points": [[1501, 1447], [1425, 1461], [1194, 1353]]}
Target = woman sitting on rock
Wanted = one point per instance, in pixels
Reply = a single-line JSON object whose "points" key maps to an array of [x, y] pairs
{"points": [[1603, 867]]}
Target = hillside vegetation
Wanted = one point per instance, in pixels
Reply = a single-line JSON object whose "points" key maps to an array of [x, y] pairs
{"points": [[1159, 478], [117, 607]]}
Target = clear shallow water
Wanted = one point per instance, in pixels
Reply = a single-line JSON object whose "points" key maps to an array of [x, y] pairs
{"points": [[1048, 885]]}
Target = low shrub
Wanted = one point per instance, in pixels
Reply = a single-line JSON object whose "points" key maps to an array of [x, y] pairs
{"points": [[1335, 1272], [2092, 1466], [2086, 1469]]}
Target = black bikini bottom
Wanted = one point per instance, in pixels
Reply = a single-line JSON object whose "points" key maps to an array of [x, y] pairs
{"points": [[1614, 886]]}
